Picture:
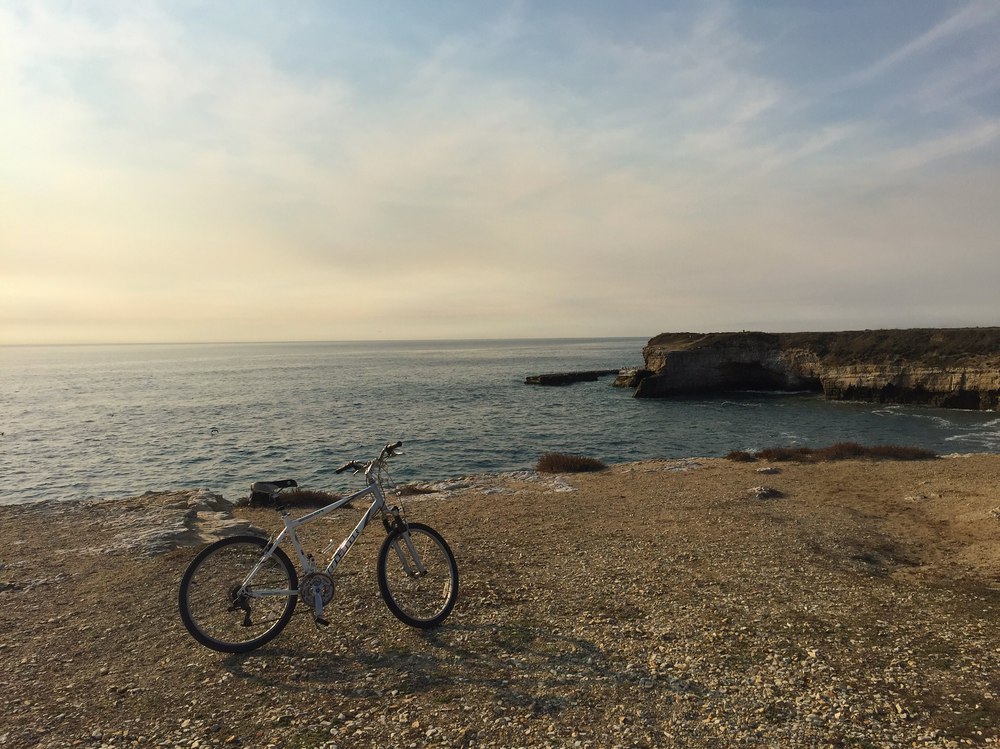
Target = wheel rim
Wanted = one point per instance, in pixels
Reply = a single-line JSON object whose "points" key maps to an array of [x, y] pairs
{"points": [[421, 596], [219, 613]]}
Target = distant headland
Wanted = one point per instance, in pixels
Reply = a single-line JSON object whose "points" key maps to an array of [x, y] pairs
{"points": [[944, 367]]}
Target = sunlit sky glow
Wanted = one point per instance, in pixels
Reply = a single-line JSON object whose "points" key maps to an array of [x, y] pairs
{"points": [[326, 171]]}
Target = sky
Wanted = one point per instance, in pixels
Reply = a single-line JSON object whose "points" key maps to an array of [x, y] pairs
{"points": [[271, 171]]}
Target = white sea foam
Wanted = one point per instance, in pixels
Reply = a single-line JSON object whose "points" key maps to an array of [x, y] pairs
{"points": [[985, 441]]}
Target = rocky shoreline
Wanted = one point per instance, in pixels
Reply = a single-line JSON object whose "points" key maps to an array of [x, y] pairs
{"points": [[945, 367], [657, 604]]}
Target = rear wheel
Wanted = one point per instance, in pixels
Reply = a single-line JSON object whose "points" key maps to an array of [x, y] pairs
{"points": [[220, 611], [417, 575]]}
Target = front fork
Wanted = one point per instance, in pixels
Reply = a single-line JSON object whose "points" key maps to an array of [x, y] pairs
{"points": [[393, 521]]}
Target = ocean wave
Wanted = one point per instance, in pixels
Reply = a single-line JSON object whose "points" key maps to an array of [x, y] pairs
{"points": [[909, 413], [742, 404], [988, 440]]}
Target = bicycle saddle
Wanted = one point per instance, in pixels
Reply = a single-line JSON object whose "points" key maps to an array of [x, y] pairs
{"points": [[272, 487], [263, 492]]}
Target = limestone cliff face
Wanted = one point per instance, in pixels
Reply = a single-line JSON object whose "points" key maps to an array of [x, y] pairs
{"points": [[954, 368]]}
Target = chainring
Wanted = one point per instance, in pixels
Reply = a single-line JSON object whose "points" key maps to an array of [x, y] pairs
{"points": [[316, 584]]}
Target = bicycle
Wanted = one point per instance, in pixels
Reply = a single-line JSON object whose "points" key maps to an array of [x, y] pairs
{"points": [[240, 592]]}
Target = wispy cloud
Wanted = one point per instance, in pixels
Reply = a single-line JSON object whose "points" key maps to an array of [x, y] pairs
{"points": [[531, 170], [975, 137], [972, 17]]}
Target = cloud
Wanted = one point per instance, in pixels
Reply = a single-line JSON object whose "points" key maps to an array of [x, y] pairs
{"points": [[969, 18], [530, 172], [974, 137]]}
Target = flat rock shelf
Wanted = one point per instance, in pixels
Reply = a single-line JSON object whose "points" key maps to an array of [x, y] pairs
{"points": [[568, 378], [655, 604]]}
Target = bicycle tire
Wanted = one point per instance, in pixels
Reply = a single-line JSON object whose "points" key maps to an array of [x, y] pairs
{"points": [[210, 612], [418, 600]]}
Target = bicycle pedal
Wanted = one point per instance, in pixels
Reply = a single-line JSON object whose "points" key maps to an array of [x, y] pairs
{"points": [[320, 620]]}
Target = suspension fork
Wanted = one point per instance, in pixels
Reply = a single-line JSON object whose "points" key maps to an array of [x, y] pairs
{"points": [[392, 519], [413, 565]]}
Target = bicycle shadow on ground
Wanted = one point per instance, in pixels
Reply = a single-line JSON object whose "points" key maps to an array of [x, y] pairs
{"points": [[518, 663]]}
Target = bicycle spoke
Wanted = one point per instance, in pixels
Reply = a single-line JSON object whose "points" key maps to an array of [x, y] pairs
{"points": [[226, 614], [418, 576]]}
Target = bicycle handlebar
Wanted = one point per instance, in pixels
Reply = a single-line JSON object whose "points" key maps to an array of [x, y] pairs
{"points": [[387, 452]]}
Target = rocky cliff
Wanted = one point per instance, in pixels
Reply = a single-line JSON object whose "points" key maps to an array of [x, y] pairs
{"points": [[947, 367]]}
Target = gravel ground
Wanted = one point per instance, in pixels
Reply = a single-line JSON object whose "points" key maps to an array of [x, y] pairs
{"points": [[697, 603]]}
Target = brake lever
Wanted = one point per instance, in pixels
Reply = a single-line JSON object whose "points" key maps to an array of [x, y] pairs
{"points": [[354, 465]]}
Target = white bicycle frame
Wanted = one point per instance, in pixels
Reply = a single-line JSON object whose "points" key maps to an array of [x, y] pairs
{"points": [[307, 562]]}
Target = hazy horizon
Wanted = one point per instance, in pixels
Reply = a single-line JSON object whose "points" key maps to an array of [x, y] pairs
{"points": [[177, 173], [407, 341], [303, 342]]}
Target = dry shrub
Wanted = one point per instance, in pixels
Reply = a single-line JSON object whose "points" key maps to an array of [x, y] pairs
{"points": [[741, 456], [779, 454], [840, 451], [306, 498], [562, 463], [900, 452], [837, 451]]}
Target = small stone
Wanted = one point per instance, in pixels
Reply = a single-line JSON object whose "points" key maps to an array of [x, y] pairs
{"points": [[764, 492]]}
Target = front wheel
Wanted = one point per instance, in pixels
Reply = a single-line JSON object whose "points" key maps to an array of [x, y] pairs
{"points": [[227, 610], [417, 575]]}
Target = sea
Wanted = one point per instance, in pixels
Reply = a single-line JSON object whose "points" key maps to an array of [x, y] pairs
{"points": [[82, 422]]}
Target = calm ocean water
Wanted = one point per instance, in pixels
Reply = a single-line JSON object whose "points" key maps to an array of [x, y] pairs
{"points": [[112, 421]]}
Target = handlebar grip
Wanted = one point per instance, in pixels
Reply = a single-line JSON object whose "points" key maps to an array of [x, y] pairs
{"points": [[346, 466]]}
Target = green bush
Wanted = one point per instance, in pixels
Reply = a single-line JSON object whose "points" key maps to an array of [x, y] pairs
{"points": [[562, 463]]}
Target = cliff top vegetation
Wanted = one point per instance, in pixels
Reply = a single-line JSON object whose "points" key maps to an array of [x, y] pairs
{"points": [[844, 347]]}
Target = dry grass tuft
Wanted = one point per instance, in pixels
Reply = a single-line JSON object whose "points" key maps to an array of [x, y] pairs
{"points": [[837, 451], [562, 463], [306, 498]]}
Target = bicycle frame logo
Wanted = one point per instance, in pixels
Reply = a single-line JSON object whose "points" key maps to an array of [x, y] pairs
{"points": [[291, 524], [350, 541]]}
